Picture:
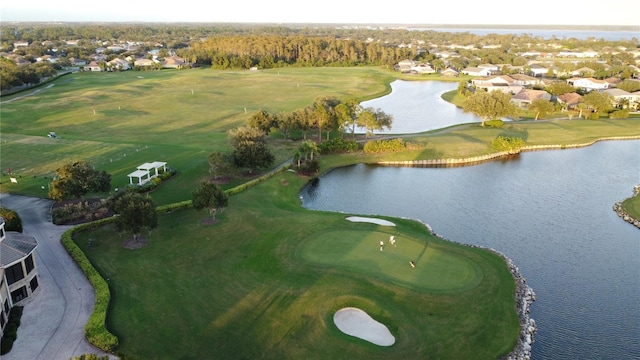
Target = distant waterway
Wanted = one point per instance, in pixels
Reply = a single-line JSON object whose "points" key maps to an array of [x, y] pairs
{"points": [[547, 34]]}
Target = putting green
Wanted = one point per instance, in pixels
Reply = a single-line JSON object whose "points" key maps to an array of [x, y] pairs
{"points": [[436, 268]]}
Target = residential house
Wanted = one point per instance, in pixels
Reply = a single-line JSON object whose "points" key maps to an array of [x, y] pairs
{"points": [[538, 70], [422, 68], [18, 44], [143, 62], [404, 66], [93, 66], [526, 80], [569, 100], [588, 84], [476, 71], [449, 72], [496, 80], [526, 96], [493, 69], [119, 64], [624, 99], [175, 62], [583, 71], [18, 271], [77, 62]]}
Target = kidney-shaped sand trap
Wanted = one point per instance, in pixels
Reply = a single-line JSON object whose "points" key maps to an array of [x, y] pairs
{"points": [[355, 322]]}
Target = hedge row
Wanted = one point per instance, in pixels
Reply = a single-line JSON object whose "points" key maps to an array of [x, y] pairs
{"points": [[95, 330]]}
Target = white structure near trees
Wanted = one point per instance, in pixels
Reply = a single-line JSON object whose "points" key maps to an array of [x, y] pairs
{"points": [[147, 171]]}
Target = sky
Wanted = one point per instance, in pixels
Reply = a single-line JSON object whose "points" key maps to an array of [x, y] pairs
{"points": [[492, 12]]}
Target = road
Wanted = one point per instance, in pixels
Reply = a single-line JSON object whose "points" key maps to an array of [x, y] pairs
{"points": [[53, 320]]}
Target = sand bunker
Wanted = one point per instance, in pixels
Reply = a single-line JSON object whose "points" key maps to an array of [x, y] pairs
{"points": [[355, 322], [370, 220]]}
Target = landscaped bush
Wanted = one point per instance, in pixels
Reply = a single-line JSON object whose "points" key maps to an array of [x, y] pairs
{"points": [[619, 114], [90, 357], [11, 330], [338, 145], [79, 212], [494, 123], [508, 143], [383, 146], [309, 167], [12, 221]]}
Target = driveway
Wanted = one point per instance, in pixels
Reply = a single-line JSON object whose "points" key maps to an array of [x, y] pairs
{"points": [[53, 320]]}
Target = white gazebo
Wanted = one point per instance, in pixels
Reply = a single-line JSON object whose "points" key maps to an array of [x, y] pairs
{"points": [[147, 171]]}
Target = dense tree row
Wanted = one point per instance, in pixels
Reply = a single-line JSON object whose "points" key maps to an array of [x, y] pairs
{"points": [[267, 51], [12, 75]]}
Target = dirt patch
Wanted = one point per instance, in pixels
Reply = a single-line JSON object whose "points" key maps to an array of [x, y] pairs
{"points": [[137, 243], [284, 183], [208, 221]]}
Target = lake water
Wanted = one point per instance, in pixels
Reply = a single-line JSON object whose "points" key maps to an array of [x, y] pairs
{"points": [[548, 33], [549, 211], [417, 106]]}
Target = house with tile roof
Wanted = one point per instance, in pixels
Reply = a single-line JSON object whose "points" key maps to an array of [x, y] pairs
{"points": [[526, 96], [476, 71], [624, 99], [569, 100], [588, 84], [18, 271]]}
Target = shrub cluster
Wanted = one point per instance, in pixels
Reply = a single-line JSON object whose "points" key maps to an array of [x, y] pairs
{"points": [[497, 123], [75, 213], [12, 221], [382, 146], [11, 330], [338, 145], [513, 145], [619, 114]]}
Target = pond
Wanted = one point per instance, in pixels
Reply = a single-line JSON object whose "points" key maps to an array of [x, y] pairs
{"points": [[417, 106]]}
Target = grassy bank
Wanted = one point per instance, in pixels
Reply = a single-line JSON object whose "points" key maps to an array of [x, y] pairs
{"points": [[265, 280]]}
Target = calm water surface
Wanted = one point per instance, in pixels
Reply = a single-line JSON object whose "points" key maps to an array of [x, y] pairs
{"points": [[549, 211], [418, 106], [549, 33]]}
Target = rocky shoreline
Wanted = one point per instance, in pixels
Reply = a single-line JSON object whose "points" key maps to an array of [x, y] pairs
{"points": [[524, 296], [617, 207]]}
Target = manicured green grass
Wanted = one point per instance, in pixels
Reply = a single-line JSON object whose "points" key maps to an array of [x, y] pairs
{"points": [[265, 280], [436, 270], [117, 121], [632, 206]]}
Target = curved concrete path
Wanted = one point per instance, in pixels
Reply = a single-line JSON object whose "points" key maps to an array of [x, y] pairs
{"points": [[53, 320]]}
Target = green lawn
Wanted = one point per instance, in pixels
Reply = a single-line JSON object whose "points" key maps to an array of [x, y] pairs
{"points": [[117, 121], [632, 206], [265, 281]]}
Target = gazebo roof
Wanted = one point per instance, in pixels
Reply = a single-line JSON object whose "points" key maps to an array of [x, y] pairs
{"points": [[139, 173], [152, 165]]}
